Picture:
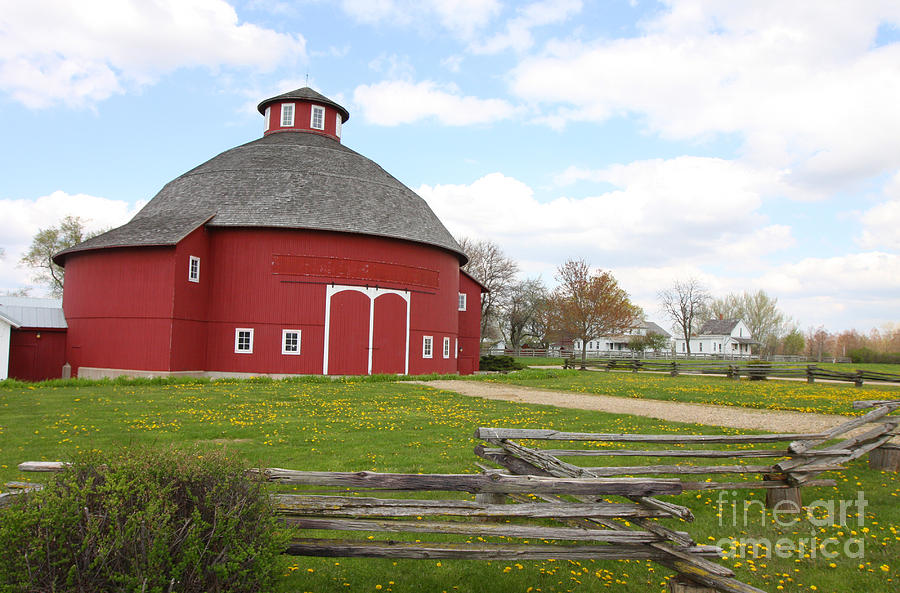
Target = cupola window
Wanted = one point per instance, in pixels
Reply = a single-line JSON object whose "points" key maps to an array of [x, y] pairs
{"points": [[317, 118], [268, 117], [287, 115], [337, 126]]}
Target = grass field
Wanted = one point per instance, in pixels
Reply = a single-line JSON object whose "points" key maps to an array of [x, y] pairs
{"points": [[827, 398], [840, 366], [375, 425]]}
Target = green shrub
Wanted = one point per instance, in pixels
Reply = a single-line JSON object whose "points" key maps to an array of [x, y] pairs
{"points": [[499, 363], [865, 355], [147, 521]]}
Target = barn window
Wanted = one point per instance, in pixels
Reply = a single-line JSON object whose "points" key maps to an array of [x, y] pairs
{"points": [[462, 301], [427, 346], [456, 348], [290, 341], [287, 114], [194, 269], [268, 117], [337, 126], [243, 340], [446, 347], [317, 118]]}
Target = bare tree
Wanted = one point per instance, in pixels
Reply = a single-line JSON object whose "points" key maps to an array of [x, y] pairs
{"points": [[496, 272], [586, 305], [684, 303], [521, 312], [49, 241]]}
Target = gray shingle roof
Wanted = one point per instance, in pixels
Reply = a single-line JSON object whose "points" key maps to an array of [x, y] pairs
{"points": [[290, 180], [654, 328], [718, 327], [304, 94]]}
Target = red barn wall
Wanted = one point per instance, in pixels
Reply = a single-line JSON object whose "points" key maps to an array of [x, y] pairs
{"points": [[118, 305], [37, 354], [191, 300], [469, 326]]}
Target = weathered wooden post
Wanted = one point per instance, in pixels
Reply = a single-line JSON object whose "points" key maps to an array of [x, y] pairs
{"points": [[674, 371], [679, 584], [858, 381], [885, 458], [810, 373], [783, 500]]}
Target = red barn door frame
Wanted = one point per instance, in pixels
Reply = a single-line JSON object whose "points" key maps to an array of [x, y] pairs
{"points": [[372, 294]]}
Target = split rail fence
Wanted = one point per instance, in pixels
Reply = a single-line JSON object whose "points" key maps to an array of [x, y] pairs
{"points": [[756, 372]]}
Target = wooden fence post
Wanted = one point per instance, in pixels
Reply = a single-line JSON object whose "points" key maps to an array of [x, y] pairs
{"points": [[679, 584], [784, 500], [810, 373], [859, 379], [674, 371], [885, 458]]}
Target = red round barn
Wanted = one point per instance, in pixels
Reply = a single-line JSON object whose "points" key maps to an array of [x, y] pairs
{"points": [[291, 254]]}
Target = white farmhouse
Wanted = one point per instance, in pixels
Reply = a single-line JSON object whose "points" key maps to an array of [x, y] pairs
{"points": [[619, 343], [719, 337]]}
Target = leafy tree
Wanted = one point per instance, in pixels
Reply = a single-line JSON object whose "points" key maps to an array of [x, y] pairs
{"points": [[684, 303], [794, 342], [652, 341], [758, 311], [586, 304], [521, 312], [496, 272], [49, 241]]}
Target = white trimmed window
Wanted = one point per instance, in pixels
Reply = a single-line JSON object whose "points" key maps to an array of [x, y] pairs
{"points": [[427, 346], [194, 269], [446, 347], [287, 114], [337, 125], [268, 117], [243, 340], [456, 348], [290, 341], [462, 301], [317, 118]]}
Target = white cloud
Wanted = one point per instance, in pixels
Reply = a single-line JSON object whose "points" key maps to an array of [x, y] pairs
{"points": [[517, 34], [395, 102], [84, 52], [881, 223], [22, 219], [687, 209], [800, 83], [461, 17]]}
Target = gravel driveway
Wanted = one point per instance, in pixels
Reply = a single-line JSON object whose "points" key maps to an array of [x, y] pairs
{"points": [[732, 416]]}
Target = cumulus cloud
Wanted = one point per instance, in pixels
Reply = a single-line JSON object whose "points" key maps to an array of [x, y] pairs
{"points": [[882, 221], [22, 219], [517, 33], [396, 102], [687, 209], [84, 52], [461, 17], [803, 86]]}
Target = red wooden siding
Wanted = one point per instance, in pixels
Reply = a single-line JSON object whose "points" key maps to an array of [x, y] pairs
{"points": [[469, 326], [348, 334], [389, 341], [33, 358], [302, 112]]}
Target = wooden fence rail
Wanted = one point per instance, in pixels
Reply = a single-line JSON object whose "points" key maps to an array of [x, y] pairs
{"points": [[754, 372]]}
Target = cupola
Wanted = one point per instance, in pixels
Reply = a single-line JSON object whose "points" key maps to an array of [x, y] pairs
{"points": [[303, 110]]}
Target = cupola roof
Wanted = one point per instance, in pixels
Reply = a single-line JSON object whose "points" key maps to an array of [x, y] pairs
{"points": [[304, 94]]}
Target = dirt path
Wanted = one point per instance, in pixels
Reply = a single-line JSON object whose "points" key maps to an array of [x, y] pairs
{"points": [[732, 416]]}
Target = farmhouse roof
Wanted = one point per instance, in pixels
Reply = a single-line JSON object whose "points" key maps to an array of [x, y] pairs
{"points": [[31, 312], [304, 94], [718, 327], [293, 180], [654, 328]]}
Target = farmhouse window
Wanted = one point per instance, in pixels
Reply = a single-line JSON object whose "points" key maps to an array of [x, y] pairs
{"points": [[290, 341], [317, 118], [446, 347], [287, 114], [427, 346], [194, 269], [462, 301], [243, 340]]}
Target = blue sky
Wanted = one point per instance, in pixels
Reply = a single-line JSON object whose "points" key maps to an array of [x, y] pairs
{"points": [[751, 145]]}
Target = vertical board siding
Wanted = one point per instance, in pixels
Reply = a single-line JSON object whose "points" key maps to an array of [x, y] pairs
{"points": [[348, 334], [389, 340], [33, 358]]}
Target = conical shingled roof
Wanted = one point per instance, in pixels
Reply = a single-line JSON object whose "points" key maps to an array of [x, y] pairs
{"points": [[294, 180], [304, 94]]}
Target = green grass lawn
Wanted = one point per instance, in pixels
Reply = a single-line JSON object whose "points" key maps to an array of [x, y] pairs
{"points": [[379, 426], [829, 398], [839, 366]]}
